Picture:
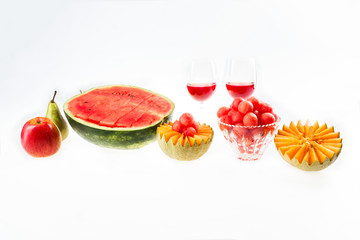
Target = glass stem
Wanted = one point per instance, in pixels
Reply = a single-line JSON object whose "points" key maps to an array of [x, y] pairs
{"points": [[201, 106]]}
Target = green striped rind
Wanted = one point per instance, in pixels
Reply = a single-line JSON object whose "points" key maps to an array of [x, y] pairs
{"points": [[120, 138]]}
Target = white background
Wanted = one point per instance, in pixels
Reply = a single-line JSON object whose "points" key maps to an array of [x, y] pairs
{"points": [[308, 59]]}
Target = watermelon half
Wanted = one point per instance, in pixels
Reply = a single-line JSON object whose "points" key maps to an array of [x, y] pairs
{"points": [[120, 116]]}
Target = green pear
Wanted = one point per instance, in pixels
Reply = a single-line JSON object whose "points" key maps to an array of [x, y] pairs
{"points": [[54, 114]]}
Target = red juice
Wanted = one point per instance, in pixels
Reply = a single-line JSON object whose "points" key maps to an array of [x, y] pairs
{"points": [[201, 91], [240, 89]]}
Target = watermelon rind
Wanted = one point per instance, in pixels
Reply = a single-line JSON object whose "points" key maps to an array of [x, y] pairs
{"points": [[116, 137]]}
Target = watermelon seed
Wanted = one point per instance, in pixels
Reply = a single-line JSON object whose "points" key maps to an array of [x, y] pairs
{"points": [[158, 106]]}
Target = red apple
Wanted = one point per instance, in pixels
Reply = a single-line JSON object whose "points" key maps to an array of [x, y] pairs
{"points": [[40, 137]]}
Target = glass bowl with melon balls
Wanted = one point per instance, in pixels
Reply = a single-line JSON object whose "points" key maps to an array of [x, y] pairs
{"points": [[248, 125]]}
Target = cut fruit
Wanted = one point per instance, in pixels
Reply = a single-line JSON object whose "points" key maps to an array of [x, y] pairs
{"points": [[124, 117], [182, 147], [310, 148]]}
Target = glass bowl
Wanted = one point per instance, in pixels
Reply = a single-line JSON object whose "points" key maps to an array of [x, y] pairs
{"points": [[249, 143]]}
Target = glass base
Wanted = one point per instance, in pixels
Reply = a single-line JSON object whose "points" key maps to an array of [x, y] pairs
{"points": [[249, 158]]}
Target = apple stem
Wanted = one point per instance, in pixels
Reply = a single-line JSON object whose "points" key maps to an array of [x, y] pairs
{"points": [[52, 100]]}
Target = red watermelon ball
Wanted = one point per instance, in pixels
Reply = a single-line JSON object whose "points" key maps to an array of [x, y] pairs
{"points": [[189, 131], [255, 102], [257, 113], [235, 104], [225, 119], [265, 107], [236, 117], [250, 119], [267, 118], [196, 125], [230, 113], [186, 119], [245, 107], [239, 131], [177, 126], [257, 133], [222, 111]]}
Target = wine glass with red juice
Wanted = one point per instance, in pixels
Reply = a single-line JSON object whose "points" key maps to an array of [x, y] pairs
{"points": [[201, 82], [240, 77]]}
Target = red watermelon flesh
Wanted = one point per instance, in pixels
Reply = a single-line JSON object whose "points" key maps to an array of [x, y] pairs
{"points": [[119, 106], [145, 113], [98, 110], [114, 109], [122, 108], [146, 119], [129, 118], [84, 107], [113, 116], [137, 112], [157, 104]]}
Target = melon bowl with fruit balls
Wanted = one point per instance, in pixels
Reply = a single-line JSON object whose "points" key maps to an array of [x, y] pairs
{"points": [[185, 139], [248, 125]]}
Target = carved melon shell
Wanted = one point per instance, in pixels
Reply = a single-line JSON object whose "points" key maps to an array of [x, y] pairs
{"points": [[186, 152], [308, 147]]}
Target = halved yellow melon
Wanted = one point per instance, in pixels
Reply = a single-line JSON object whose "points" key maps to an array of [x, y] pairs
{"points": [[308, 147], [178, 146]]}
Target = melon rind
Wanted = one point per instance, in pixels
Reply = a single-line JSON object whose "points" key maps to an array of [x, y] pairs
{"points": [[186, 152], [310, 138], [119, 138], [304, 165]]}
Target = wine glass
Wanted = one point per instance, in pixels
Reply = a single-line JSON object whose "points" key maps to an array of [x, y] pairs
{"points": [[240, 77], [202, 79]]}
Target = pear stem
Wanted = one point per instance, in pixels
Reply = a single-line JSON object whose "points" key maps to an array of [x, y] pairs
{"points": [[52, 100]]}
